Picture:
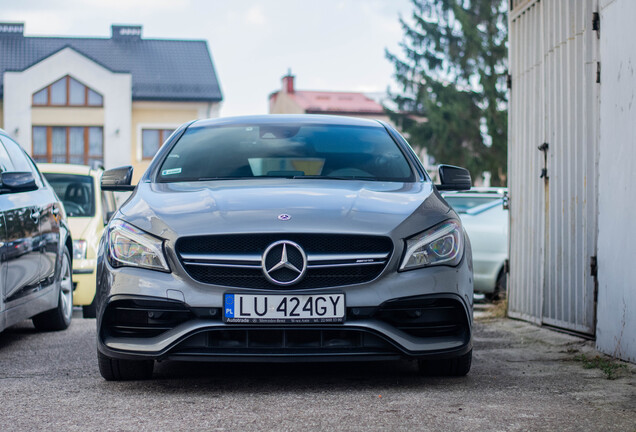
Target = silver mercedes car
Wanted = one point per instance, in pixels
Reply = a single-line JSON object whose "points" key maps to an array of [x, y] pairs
{"points": [[284, 238]]}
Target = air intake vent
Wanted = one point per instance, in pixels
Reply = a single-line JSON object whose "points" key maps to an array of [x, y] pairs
{"points": [[144, 318]]}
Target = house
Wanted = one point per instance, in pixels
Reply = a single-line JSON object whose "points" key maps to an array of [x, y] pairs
{"points": [[570, 164], [288, 100], [109, 100]]}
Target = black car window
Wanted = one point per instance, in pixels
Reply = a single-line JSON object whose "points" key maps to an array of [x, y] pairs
{"points": [[76, 192], [295, 151], [5, 160], [17, 155], [20, 160]]}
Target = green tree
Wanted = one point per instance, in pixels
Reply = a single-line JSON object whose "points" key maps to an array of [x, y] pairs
{"points": [[452, 71]]}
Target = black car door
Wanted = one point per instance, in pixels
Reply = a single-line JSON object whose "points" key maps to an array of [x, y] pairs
{"points": [[21, 251], [4, 162]]}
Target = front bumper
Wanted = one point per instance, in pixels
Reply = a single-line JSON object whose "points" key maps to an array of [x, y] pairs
{"points": [[145, 314], [414, 327]]}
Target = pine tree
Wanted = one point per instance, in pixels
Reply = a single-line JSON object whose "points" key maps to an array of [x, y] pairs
{"points": [[453, 72]]}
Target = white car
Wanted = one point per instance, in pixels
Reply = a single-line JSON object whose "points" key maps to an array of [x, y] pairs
{"points": [[486, 222]]}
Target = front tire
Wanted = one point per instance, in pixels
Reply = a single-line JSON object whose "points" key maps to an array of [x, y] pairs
{"points": [[501, 288], [113, 369], [59, 318], [458, 366]]}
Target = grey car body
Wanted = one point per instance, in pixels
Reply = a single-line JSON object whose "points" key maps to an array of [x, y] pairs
{"points": [[227, 224]]}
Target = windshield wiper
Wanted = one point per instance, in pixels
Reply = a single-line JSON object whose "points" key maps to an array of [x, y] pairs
{"points": [[335, 177]]}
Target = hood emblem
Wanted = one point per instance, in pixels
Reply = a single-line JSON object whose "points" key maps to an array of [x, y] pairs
{"points": [[284, 263], [284, 217]]}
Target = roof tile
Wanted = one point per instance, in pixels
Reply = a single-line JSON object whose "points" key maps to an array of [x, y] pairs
{"points": [[161, 69]]}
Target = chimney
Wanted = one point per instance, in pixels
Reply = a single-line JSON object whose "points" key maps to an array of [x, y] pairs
{"points": [[125, 32], [288, 83], [11, 30]]}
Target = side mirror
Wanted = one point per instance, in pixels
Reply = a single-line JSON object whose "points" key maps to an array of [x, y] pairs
{"points": [[17, 181], [453, 178], [118, 179]]}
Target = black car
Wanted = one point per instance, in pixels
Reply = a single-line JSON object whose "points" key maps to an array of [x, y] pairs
{"points": [[35, 245]]}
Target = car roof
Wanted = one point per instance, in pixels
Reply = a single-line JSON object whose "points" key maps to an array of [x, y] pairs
{"points": [[288, 119], [68, 169]]}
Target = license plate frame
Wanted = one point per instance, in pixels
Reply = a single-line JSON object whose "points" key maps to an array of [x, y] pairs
{"points": [[240, 308]]}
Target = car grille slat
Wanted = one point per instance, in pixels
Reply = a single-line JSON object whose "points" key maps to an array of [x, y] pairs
{"points": [[284, 341], [144, 318], [332, 259]]}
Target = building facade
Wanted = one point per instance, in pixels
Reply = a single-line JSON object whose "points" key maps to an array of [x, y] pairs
{"points": [[108, 100], [288, 100]]}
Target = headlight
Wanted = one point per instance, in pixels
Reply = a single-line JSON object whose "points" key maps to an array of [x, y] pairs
{"points": [[79, 249], [442, 244], [130, 246]]}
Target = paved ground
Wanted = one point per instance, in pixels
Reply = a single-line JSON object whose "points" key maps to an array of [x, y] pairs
{"points": [[523, 378]]}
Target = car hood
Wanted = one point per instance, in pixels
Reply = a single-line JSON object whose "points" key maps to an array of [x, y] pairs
{"points": [[314, 205]]}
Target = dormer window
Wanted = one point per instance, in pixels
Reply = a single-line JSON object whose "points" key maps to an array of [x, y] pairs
{"points": [[67, 92]]}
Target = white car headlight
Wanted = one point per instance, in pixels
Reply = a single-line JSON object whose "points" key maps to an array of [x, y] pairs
{"points": [[441, 245], [130, 246], [79, 249]]}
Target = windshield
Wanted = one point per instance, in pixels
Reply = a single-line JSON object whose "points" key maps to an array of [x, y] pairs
{"points": [[76, 193], [292, 151], [464, 204]]}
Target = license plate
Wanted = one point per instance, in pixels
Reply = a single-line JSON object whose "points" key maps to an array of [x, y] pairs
{"points": [[278, 309]]}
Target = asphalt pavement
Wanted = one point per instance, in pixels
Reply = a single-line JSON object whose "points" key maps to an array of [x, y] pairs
{"points": [[523, 378]]}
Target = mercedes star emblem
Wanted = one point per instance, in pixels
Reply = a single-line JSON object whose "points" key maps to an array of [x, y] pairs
{"points": [[284, 263]]}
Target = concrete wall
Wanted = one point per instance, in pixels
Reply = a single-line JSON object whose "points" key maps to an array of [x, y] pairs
{"points": [[116, 89], [616, 311]]}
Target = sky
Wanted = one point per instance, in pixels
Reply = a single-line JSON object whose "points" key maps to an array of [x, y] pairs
{"points": [[327, 44]]}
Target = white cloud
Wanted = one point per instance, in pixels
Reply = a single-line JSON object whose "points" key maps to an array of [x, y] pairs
{"points": [[255, 16]]}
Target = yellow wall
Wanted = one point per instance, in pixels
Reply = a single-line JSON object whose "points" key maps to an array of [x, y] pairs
{"points": [[285, 104], [158, 115], [71, 116]]}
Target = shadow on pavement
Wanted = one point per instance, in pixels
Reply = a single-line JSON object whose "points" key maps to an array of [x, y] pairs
{"points": [[264, 378]]}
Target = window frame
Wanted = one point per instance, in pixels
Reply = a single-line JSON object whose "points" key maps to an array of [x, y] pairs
{"points": [[68, 103], [163, 137], [49, 144]]}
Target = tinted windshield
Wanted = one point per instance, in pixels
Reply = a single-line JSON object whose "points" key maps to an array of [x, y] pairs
{"points": [[76, 193], [294, 151], [462, 204]]}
